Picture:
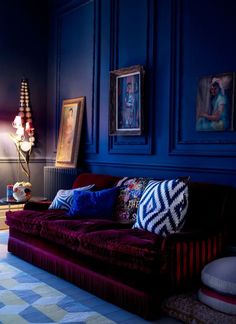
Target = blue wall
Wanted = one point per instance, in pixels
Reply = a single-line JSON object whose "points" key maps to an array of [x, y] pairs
{"points": [[177, 42], [23, 48]]}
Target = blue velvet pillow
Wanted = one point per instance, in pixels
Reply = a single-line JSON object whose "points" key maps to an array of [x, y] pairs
{"points": [[64, 198], [97, 204]]}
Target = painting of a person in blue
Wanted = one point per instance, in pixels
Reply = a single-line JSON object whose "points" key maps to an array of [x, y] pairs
{"points": [[215, 117], [129, 103], [129, 120]]}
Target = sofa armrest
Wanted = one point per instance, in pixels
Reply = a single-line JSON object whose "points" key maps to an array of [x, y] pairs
{"points": [[37, 205], [186, 253]]}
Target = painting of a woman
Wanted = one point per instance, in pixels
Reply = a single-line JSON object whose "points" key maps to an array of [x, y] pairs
{"points": [[70, 132], [215, 103]]}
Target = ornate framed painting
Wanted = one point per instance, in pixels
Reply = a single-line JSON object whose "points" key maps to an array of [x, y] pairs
{"points": [[70, 132], [126, 101]]}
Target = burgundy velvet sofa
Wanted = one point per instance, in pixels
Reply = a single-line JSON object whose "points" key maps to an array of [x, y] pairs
{"points": [[132, 268]]}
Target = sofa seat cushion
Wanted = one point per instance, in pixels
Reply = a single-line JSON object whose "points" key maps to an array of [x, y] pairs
{"points": [[127, 248], [68, 232], [30, 221]]}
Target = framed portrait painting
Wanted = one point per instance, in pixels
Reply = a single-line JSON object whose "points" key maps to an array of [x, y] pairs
{"points": [[126, 101], [215, 103], [70, 132]]}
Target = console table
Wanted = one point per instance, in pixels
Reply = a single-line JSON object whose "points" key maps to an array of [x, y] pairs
{"points": [[4, 207]]}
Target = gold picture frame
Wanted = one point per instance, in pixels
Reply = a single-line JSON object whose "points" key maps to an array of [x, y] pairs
{"points": [[126, 101], [70, 132]]}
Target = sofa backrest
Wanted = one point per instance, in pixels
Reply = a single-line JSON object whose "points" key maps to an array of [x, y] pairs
{"points": [[101, 181], [210, 206]]}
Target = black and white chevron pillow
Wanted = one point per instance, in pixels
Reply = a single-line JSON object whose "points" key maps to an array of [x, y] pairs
{"points": [[163, 206], [64, 198]]}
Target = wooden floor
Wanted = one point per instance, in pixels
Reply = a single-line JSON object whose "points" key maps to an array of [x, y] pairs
{"points": [[111, 311]]}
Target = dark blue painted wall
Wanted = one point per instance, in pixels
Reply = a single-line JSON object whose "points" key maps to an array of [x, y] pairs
{"points": [[23, 52], [177, 42]]}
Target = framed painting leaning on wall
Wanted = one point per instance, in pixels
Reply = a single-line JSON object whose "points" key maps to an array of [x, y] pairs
{"points": [[70, 132]]}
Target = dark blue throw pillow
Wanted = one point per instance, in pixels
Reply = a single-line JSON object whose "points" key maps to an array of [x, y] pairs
{"points": [[94, 204]]}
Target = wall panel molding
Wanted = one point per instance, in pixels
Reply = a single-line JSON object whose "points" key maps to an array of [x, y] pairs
{"points": [[163, 170], [16, 160], [218, 144], [141, 145], [91, 145]]}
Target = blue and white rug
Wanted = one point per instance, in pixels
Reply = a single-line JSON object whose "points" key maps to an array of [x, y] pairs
{"points": [[25, 299]]}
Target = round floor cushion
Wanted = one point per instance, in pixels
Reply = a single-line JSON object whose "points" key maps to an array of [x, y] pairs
{"points": [[220, 275], [217, 301], [219, 285]]}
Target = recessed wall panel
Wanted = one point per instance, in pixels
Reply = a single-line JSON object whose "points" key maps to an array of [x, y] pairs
{"points": [[131, 44], [197, 52], [76, 75]]}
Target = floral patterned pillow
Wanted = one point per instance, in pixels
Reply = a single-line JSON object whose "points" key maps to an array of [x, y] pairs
{"points": [[131, 190]]}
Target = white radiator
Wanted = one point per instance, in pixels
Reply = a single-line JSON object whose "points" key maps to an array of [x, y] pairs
{"points": [[58, 178]]}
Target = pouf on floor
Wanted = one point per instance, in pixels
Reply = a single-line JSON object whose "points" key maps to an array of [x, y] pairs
{"points": [[220, 275], [220, 302], [219, 280]]}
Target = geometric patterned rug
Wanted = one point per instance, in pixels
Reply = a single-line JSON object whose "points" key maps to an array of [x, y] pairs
{"points": [[25, 299]]}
